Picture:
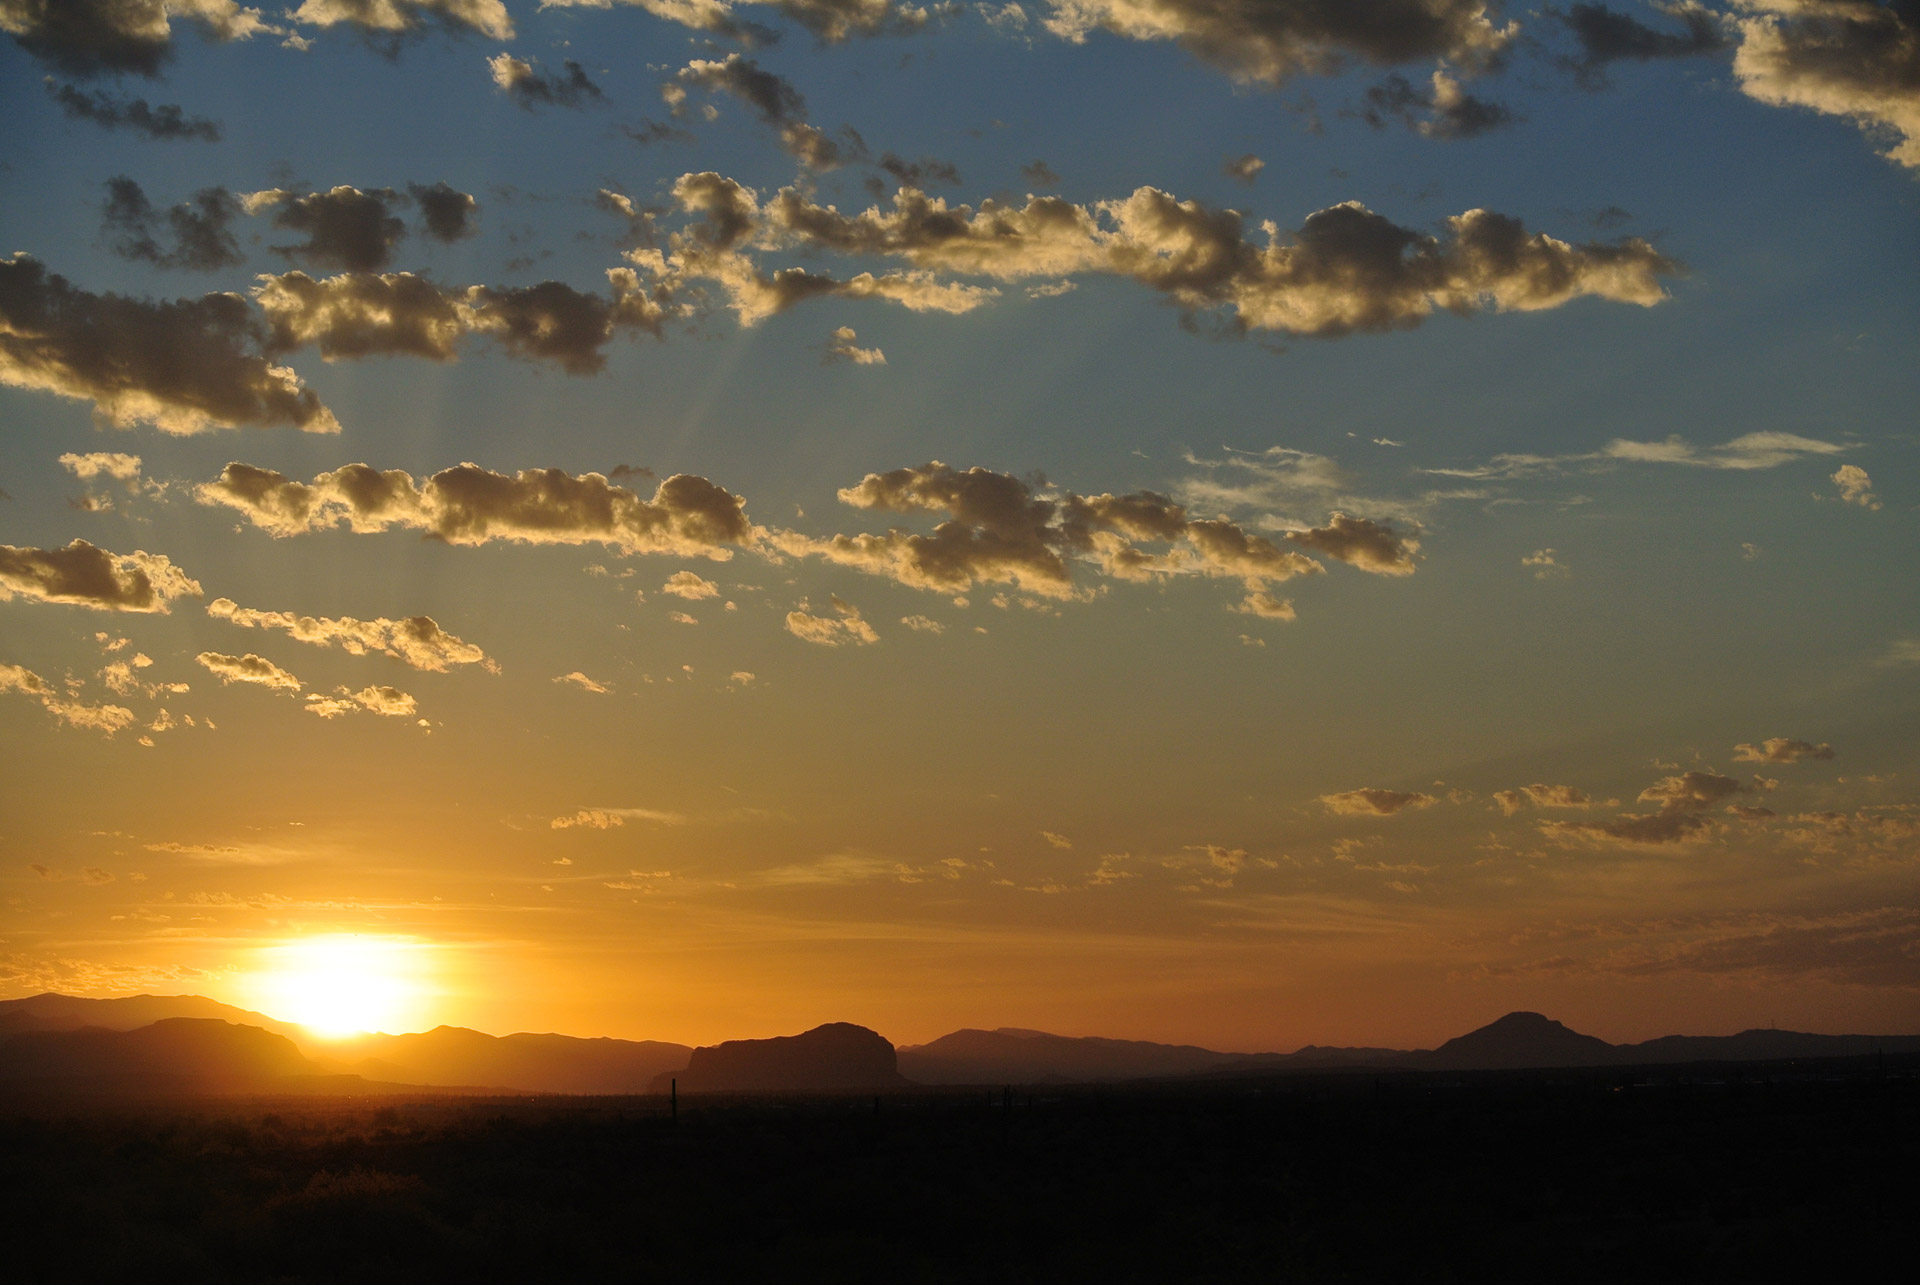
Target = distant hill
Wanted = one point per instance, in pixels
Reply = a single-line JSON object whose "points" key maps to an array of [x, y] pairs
{"points": [[203, 1051], [1519, 1041], [836, 1057], [55, 1012], [1761, 1046], [1014, 1056], [453, 1055]]}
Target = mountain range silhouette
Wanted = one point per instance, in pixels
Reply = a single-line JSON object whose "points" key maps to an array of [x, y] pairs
{"points": [[61, 1042]]}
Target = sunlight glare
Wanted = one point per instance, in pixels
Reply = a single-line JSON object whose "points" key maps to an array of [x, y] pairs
{"points": [[342, 984]]}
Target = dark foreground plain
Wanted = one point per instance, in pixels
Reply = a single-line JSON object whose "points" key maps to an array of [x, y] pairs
{"points": [[1769, 1172]]}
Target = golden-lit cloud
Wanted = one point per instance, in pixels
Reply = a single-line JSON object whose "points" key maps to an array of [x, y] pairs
{"points": [[1375, 802], [829, 21], [88, 576], [469, 505], [114, 464], [845, 626], [1541, 796], [389, 702], [96, 718], [1683, 800], [1856, 487], [691, 586], [1361, 542], [842, 348], [1781, 749], [400, 17], [418, 641], [530, 88], [614, 818], [1854, 58], [248, 669], [577, 679], [182, 365]]}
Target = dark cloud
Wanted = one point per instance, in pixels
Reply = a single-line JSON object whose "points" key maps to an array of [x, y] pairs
{"points": [[1361, 542], [833, 21], [471, 505], [184, 365], [774, 100], [111, 37], [1607, 37], [530, 87], [1039, 172], [1375, 802], [1854, 58], [1682, 800], [201, 228], [1270, 40], [344, 228], [167, 121], [87, 576], [1245, 168], [447, 212], [368, 314], [1441, 110], [918, 173]]}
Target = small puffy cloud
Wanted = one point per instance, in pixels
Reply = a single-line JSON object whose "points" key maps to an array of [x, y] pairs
{"points": [[530, 88], [447, 212], [1541, 796], [165, 121], [469, 505], [690, 585], [248, 669], [1854, 58], [390, 702], [403, 17], [844, 627], [1375, 802], [585, 684], [1781, 749], [1855, 486], [88, 576], [1361, 542], [614, 818], [106, 719], [1682, 800], [183, 366], [841, 348], [923, 624], [1245, 168], [117, 465], [1546, 565], [201, 229], [1441, 110], [94, 876], [1059, 841], [344, 227], [1269, 41], [110, 37], [681, 618], [418, 641], [1606, 36]]}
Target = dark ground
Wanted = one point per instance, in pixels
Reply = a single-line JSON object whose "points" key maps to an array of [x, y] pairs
{"points": [[1695, 1174]]}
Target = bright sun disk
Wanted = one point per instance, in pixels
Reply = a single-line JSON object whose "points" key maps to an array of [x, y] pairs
{"points": [[344, 983]]}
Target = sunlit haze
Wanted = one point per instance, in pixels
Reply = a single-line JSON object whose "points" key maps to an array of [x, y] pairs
{"points": [[341, 985]]}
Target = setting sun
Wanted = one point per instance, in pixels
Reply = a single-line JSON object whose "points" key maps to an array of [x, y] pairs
{"points": [[344, 984]]}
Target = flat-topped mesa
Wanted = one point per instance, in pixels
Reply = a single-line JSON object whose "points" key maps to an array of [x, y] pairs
{"points": [[836, 1058]]}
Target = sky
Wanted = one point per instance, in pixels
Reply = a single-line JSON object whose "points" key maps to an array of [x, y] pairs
{"points": [[1248, 523]]}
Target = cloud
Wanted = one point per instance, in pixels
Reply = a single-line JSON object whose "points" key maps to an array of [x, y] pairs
{"points": [[378, 315], [447, 212], [417, 641], [841, 348], [1345, 270], [923, 624], [585, 684], [1854, 58], [201, 228], [1245, 168], [403, 17], [389, 702], [1442, 110], [167, 121], [183, 366], [469, 505], [1546, 565], [1781, 749], [344, 227], [92, 577], [248, 669], [114, 464], [771, 97], [1606, 37], [106, 719], [1541, 796], [846, 626], [1682, 800], [830, 21], [529, 88], [614, 818], [109, 37], [690, 585], [1375, 802], [1268, 41], [1855, 486], [1060, 841], [1361, 542], [1750, 451]]}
